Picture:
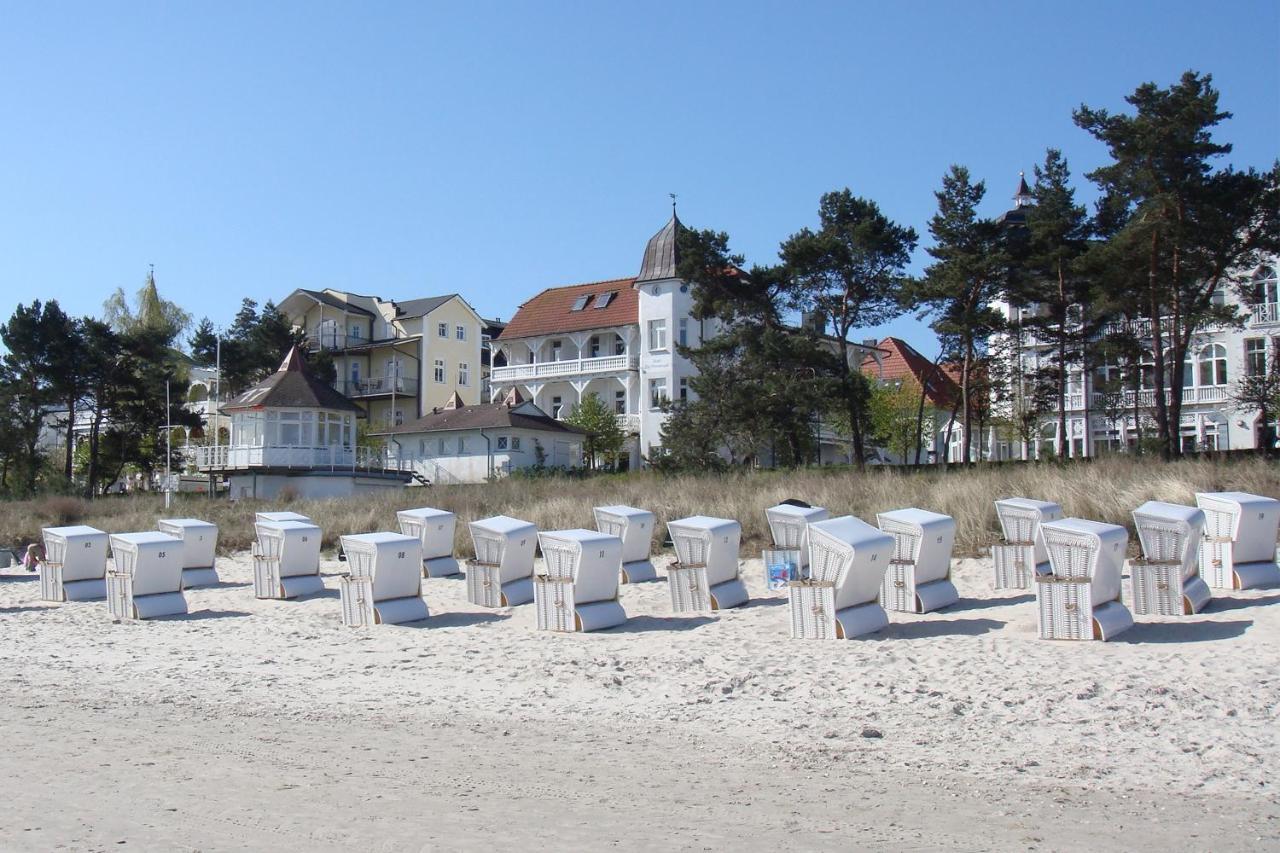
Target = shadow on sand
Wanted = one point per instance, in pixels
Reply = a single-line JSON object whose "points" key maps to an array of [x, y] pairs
{"points": [[642, 624], [456, 620], [939, 628], [1220, 605], [26, 609], [200, 615], [1184, 632], [988, 603]]}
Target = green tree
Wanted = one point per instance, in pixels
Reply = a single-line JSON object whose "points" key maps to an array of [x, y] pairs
{"points": [[850, 271], [36, 337], [603, 438], [894, 416], [203, 344], [969, 273], [149, 311], [1188, 230]]}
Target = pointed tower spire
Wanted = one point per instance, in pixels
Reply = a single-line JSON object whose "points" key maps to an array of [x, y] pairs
{"points": [[1023, 197]]}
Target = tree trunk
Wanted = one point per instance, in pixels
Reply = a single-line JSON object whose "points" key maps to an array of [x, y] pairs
{"points": [[1157, 347], [71, 433], [1062, 363]]}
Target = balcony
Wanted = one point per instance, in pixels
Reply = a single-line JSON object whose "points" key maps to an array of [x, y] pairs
{"points": [[544, 370], [1266, 313], [629, 423], [245, 457], [1190, 396], [1075, 402], [380, 386], [327, 339]]}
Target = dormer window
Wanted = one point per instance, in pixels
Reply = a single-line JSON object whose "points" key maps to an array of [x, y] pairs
{"points": [[603, 300], [581, 302]]}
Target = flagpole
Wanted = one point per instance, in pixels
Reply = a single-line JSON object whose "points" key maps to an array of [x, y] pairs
{"points": [[168, 446]]}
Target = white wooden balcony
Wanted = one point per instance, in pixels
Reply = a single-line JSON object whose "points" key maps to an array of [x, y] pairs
{"points": [[1266, 313], [629, 423], [1204, 394], [544, 370], [244, 457]]}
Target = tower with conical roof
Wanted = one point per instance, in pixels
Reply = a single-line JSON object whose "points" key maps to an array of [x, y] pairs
{"points": [[1023, 200], [662, 253]]}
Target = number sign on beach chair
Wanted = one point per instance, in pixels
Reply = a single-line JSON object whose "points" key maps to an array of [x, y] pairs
{"points": [[578, 587], [840, 598], [383, 583], [635, 528], [501, 575], [286, 559], [1166, 580], [147, 579], [199, 545], [1239, 548], [435, 530], [75, 564], [1080, 598], [705, 574]]}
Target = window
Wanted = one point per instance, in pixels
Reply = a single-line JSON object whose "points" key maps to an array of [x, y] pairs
{"points": [[619, 346], [515, 442], [442, 329], [355, 373], [683, 333], [464, 373], [620, 402], [603, 300], [684, 389], [461, 333], [657, 334], [595, 346], [580, 302], [290, 429], [1213, 365], [441, 445], [396, 417], [1255, 357], [355, 332], [439, 371], [462, 445], [657, 393], [555, 350], [556, 406], [502, 442]]}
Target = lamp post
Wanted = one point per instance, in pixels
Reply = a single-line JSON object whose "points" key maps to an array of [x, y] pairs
{"points": [[168, 445]]}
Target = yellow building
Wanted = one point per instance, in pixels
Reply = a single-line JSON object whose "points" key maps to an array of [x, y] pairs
{"points": [[397, 360]]}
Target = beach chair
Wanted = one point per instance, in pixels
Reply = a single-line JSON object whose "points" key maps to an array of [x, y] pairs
{"points": [[1166, 580], [281, 516], [146, 580], [918, 577], [75, 564], [286, 559], [635, 528], [840, 597], [577, 589], [1239, 548], [788, 524], [383, 582], [705, 574], [1080, 597], [434, 529], [199, 545], [1022, 554], [501, 575]]}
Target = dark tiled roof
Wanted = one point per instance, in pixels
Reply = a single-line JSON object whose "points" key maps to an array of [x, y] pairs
{"points": [[485, 416], [419, 307], [662, 255], [293, 386], [551, 310], [334, 302]]}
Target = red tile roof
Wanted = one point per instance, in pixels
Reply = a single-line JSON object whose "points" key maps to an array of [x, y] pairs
{"points": [[902, 360], [550, 311]]}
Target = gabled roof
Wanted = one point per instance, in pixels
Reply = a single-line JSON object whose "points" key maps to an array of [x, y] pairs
{"points": [[333, 301], [662, 254], [292, 386], [551, 311], [902, 360], [419, 307], [485, 416]]}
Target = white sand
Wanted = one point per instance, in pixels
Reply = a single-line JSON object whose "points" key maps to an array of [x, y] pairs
{"points": [[268, 724]]}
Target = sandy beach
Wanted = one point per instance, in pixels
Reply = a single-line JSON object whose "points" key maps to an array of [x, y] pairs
{"points": [[251, 724]]}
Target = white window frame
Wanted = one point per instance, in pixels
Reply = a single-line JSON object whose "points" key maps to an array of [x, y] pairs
{"points": [[658, 335], [657, 393], [502, 442], [439, 372], [460, 332], [442, 330], [464, 374]]}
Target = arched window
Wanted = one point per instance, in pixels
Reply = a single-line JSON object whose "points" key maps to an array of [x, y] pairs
{"points": [[1188, 369], [1266, 287], [1213, 365]]}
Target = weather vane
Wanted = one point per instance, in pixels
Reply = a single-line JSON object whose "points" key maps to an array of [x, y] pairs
{"points": [[673, 202]]}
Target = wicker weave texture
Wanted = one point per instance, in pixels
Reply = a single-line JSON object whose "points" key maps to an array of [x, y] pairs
{"points": [[1157, 588], [1014, 565], [484, 584], [689, 590], [898, 591], [553, 601], [813, 611], [1066, 611], [356, 592], [120, 596]]}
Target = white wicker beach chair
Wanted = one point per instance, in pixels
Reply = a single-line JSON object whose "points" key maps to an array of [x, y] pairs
{"points": [[383, 583], [1022, 554], [435, 530], [75, 564], [840, 598], [705, 574], [146, 581], [577, 589], [1239, 548], [635, 528], [1166, 581], [1080, 598], [199, 546], [918, 578], [501, 575], [788, 524], [286, 559], [281, 516]]}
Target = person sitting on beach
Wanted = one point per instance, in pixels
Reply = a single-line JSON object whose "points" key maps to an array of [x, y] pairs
{"points": [[32, 558]]}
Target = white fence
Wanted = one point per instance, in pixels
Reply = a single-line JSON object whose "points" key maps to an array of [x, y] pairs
{"points": [[570, 367], [239, 457]]}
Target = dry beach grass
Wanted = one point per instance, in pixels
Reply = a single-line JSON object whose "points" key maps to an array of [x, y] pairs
{"points": [[1106, 489]]}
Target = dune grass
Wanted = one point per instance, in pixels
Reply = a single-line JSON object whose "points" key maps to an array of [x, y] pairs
{"points": [[1106, 489]]}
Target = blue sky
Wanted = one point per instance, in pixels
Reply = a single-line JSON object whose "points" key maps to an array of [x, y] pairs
{"points": [[412, 149]]}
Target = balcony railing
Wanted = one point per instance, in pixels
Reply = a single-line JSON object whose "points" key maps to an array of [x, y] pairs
{"points": [[629, 423], [1266, 312], [381, 385], [1205, 394], [241, 457], [327, 339], [570, 367]]}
